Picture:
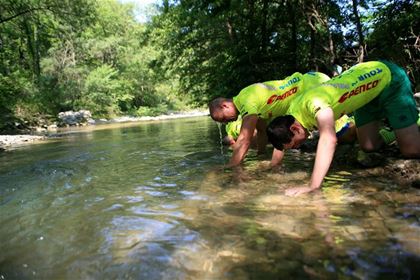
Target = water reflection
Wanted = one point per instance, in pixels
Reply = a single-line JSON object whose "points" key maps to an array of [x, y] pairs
{"points": [[149, 201]]}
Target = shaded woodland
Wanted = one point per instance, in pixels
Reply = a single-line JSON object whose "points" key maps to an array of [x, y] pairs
{"points": [[59, 55]]}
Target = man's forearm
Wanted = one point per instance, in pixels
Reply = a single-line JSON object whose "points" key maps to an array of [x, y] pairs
{"points": [[326, 146], [277, 157], [239, 151], [324, 156], [244, 140]]}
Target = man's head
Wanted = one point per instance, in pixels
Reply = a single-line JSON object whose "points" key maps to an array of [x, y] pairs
{"points": [[223, 110], [286, 133]]}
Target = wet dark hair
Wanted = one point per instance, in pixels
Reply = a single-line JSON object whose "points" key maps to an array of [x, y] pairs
{"points": [[278, 131]]}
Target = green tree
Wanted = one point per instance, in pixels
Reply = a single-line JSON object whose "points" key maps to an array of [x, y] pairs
{"points": [[396, 35], [27, 30], [218, 47]]}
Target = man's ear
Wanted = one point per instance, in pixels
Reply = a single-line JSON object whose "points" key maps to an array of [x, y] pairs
{"points": [[295, 128]]}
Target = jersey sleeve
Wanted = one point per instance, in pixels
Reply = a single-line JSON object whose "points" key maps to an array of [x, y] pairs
{"points": [[248, 101]]}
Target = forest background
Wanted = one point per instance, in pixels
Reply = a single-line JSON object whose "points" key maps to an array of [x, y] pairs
{"points": [[60, 55]]}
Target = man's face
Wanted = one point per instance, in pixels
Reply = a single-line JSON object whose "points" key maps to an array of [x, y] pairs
{"points": [[297, 140], [225, 113]]}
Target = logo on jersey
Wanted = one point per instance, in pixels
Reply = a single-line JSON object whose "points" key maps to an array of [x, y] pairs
{"points": [[283, 96], [358, 90], [370, 74], [290, 82]]}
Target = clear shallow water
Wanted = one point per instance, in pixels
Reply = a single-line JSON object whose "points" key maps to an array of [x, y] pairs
{"points": [[146, 201]]}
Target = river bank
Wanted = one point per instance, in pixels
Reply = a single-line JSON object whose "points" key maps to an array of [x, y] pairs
{"points": [[39, 134]]}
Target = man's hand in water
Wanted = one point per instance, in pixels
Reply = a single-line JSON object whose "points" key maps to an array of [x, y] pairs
{"points": [[240, 175], [263, 165], [296, 191]]}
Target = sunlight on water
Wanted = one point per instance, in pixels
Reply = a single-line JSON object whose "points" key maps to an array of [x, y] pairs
{"points": [[150, 201]]}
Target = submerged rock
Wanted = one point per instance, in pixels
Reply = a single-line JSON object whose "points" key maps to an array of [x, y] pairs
{"points": [[405, 172]]}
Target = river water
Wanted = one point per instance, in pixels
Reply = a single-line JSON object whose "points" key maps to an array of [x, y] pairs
{"points": [[150, 201]]}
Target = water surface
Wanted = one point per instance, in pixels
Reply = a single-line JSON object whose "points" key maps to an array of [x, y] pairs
{"points": [[149, 201]]}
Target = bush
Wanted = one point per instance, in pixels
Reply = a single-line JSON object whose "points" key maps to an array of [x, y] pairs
{"points": [[151, 111]]}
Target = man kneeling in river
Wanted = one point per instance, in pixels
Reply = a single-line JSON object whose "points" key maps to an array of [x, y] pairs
{"points": [[372, 90]]}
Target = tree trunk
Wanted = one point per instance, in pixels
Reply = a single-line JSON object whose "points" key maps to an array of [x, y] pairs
{"points": [[231, 31], [361, 51], [264, 35], [312, 51], [293, 42], [33, 48], [331, 48], [37, 57]]}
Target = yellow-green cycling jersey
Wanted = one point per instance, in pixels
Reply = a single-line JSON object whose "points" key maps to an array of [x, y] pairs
{"points": [[344, 93], [234, 128], [272, 99]]}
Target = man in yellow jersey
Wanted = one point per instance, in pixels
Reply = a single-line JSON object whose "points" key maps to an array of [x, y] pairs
{"points": [[372, 90], [258, 104]]}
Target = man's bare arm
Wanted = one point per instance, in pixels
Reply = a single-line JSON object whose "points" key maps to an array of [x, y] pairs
{"points": [[326, 146], [324, 152], [276, 158], [241, 146]]}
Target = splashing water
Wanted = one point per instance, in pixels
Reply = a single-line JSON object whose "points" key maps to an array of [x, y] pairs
{"points": [[219, 126]]}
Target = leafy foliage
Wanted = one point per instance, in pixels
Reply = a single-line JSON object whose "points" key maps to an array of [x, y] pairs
{"points": [[94, 54], [397, 35]]}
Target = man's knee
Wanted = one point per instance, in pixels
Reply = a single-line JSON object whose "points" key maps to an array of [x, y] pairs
{"points": [[410, 152], [370, 147], [408, 140]]}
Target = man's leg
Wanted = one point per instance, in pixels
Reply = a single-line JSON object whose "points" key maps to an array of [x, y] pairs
{"points": [[368, 136], [349, 136], [408, 140]]}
